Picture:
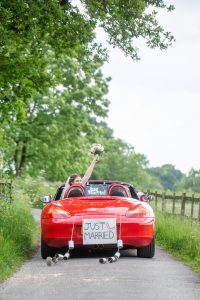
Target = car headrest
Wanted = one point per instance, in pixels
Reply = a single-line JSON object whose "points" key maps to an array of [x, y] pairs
{"points": [[118, 190], [74, 191], [117, 193]]}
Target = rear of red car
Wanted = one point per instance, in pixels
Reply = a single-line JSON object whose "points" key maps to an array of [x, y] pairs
{"points": [[97, 221]]}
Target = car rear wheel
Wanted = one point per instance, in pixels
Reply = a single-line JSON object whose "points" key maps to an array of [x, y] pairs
{"points": [[148, 251], [46, 250]]}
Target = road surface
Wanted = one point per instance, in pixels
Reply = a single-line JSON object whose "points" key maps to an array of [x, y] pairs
{"points": [[83, 277]]}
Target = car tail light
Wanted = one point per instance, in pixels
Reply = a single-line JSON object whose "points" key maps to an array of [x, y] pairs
{"points": [[57, 213], [139, 212]]}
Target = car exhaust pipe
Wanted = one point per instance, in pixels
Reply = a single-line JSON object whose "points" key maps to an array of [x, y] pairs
{"points": [[99, 246]]}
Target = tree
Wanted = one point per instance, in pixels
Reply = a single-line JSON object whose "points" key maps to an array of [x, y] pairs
{"points": [[51, 68], [190, 183], [31, 32], [56, 130], [121, 162], [168, 176], [34, 37], [126, 21]]}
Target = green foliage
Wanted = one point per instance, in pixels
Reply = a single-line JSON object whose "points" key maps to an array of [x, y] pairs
{"points": [[31, 190], [167, 175], [38, 39], [120, 162], [180, 237], [52, 83], [126, 21], [17, 236], [190, 183], [58, 85], [56, 126]]}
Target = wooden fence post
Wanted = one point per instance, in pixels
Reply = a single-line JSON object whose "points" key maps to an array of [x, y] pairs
{"points": [[175, 209], [199, 212], [192, 207], [183, 204], [156, 200], [174, 203], [163, 202]]}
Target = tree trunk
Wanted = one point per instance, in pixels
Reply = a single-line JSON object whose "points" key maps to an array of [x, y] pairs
{"points": [[16, 154], [22, 159]]}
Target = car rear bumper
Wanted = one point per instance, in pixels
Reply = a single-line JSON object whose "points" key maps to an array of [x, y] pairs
{"points": [[135, 232]]}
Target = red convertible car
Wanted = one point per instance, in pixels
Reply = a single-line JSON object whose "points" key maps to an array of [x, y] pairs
{"points": [[98, 216]]}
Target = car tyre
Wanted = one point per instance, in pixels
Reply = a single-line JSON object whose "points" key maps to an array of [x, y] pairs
{"points": [[46, 250], [148, 251]]}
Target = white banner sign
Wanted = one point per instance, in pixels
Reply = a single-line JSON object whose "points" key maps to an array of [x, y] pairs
{"points": [[99, 231]]}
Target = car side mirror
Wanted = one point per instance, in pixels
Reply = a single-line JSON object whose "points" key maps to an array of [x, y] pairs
{"points": [[145, 197], [148, 198], [46, 199]]}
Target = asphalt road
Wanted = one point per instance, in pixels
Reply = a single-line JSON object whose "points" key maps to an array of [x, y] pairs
{"points": [[83, 277]]}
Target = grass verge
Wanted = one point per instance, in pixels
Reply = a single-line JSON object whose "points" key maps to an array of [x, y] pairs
{"points": [[18, 231], [180, 237], [18, 236]]}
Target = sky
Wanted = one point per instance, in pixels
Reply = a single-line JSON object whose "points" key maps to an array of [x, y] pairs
{"points": [[155, 103]]}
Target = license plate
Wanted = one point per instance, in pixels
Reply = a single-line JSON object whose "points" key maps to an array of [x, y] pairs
{"points": [[99, 231]]}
